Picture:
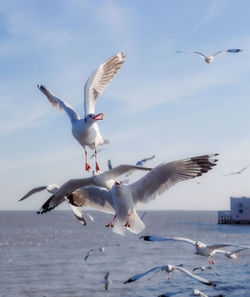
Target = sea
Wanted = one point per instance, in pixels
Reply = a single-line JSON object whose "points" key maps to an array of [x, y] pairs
{"points": [[44, 256]]}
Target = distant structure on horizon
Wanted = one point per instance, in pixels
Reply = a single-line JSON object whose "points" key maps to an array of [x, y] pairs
{"points": [[238, 214]]}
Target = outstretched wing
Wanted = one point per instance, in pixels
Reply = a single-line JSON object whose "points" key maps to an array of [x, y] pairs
{"points": [[138, 276], [193, 52], [141, 162], [198, 278], [91, 196], [68, 187], [165, 175], [99, 80], [59, 103], [33, 191], [155, 238]]}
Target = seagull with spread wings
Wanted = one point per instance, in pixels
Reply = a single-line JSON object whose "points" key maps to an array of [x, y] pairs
{"points": [[85, 130], [201, 248], [123, 198], [209, 59], [171, 268], [237, 172], [103, 180]]}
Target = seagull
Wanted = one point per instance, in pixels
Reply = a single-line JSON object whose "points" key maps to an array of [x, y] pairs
{"points": [[101, 250], [170, 268], [201, 294], [107, 281], [123, 198], [141, 162], [201, 249], [103, 180], [53, 189], [203, 268], [237, 172], [143, 215], [209, 59], [85, 130]]}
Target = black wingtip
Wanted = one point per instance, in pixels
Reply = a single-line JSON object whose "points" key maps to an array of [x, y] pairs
{"points": [[128, 281], [210, 284], [147, 238]]}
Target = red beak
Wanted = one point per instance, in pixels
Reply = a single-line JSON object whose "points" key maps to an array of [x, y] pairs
{"points": [[99, 116]]}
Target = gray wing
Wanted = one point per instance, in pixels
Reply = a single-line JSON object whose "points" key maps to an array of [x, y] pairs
{"points": [[59, 103], [91, 196], [165, 175], [155, 238], [122, 169], [99, 80], [199, 53], [198, 278], [221, 245], [138, 276], [221, 51], [33, 191], [65, 189], [89, 253]]}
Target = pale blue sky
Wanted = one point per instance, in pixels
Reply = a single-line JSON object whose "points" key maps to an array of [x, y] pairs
{"points": [[163, 103]]}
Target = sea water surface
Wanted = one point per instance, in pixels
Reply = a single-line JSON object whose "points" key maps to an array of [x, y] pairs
{"points": [[43, 255]]}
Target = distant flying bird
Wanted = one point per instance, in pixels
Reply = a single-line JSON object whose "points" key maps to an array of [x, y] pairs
{"points": [[143, 215], [141, 162], [170, 268], [201, 294], [90, 252], [53, 189], [85, 130], [107, 281], [201, 249], [104, 180], [100, 250], [209, 59], [203, 268], [123, 198], [237, 172]]}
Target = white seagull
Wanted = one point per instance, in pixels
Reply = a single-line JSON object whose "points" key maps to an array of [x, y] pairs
{"points": [[170, 268], [107, 281], [201, 249], [103, 180], [85, 130], [123, 198], [203, 268], [209, 59], [237, 172], [53, 189]]}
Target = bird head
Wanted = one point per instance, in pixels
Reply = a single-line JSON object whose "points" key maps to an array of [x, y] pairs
{"points": [[92, 118]]}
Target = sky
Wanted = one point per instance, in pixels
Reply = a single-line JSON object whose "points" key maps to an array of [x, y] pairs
{"points": [[172, 105]]}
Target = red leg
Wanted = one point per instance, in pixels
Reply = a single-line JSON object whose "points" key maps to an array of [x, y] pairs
{"points": [[128, 222], [210, 261], [97, 168], [87, 167], [111, 224]]}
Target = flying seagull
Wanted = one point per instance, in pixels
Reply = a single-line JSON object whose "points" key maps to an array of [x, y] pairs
{"points": [[90, 252], [123, 198], [237, 172], [85, 130], [201, 249], [170, 268], [203, 268], [209, 59], [141, 162], [104, 180]]}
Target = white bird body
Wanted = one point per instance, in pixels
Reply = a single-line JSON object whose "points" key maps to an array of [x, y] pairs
{"points": [[85, 130], [123, 198]]}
